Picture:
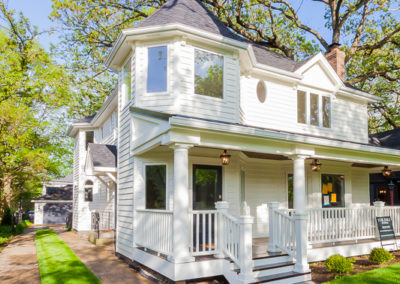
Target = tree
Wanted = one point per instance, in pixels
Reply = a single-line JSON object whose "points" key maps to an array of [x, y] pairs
{"points": [[368, 31], [33, 88]]}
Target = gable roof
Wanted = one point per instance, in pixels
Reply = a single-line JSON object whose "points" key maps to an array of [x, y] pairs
{"points": [[57, 193], [103, 155], [87, 119], [66, 179]]}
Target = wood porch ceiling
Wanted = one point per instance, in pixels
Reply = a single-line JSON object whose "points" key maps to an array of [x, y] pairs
{"points": [[265, 156]]}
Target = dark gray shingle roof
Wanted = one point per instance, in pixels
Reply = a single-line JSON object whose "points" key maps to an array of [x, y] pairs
{"points": [[103, 155], [387, 139], [67, 179], [87, 119], [57, 193]]}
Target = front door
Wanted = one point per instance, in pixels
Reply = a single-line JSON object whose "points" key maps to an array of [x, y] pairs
{"points": [[207, 186]]}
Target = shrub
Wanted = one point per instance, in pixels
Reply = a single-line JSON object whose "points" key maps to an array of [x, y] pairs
{"points": [[339, 264], [3, 240], [5, 231], [19, 229], [26, 223], [7, 219], [380, 255]]}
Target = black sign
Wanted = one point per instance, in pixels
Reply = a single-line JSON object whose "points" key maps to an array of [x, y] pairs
{"points": [[385, 228]]}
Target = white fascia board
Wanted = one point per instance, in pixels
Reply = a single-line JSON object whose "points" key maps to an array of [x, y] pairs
{"points": [[287, 137], [104, 170], [352, 93], [74, 127], [51, 201], [271, 71], [171, 30], [106, 110]]}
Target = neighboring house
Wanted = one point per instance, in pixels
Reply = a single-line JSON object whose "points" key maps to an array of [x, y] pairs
{"points": [[386, 188], [55, 203], [95, 158], [217, 139]]}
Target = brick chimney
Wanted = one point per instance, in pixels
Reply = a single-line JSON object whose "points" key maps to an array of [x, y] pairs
{"points": [[336, 59]]}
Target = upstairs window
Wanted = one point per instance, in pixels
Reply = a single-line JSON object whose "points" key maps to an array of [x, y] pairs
{"points": [[127, 81], [208, 74], [156, 186], [89, 138], [157, 69], [89, 190], [313, 109]]}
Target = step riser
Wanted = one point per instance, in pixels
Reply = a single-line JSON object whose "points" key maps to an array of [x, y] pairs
{"points": [[272, 271], [271, 260], [292, 280]]}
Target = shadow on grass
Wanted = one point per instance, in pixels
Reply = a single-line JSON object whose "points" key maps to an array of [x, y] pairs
{"points": [[58, 263]]}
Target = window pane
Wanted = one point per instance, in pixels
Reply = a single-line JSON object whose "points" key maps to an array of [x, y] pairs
{"points": [[301, 107], [290, 191], [332, 190], [89, 138], [314, 109], [156, 187], [208, 74], [326, 111], [128, 81], [157, 69]]}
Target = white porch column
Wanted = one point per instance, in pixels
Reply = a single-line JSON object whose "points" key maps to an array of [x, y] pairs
{"points": [[272, 227], [299, 184], [181, 220]]}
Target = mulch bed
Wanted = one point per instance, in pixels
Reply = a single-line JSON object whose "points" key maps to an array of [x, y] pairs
{"points": [[362, 264]]}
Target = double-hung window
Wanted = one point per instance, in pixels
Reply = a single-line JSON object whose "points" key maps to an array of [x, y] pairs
{"points": [[208, 74], [313, 109], [156, 186], [127, 81], [157, 65]]}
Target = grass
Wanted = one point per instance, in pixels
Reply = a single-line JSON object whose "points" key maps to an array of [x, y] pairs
{"points": [[58, 263], [384, 275]]}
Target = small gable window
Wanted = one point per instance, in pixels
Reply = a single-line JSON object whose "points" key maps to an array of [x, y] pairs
{"points": [[208, 74], [127, 81], [89, 138], [157, 69], [156, 185], [261, 91], [313, 109], [89, 190]]}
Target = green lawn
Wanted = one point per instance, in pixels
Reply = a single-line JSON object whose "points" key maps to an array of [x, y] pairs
{"points": [[385, 275], [58, 263]]}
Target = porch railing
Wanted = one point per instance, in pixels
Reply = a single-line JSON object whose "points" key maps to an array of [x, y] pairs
{"points": [[285, 231], [394, 213], [154, 230], [341, 224], [231, 234], [106, 221], [203, 232]]}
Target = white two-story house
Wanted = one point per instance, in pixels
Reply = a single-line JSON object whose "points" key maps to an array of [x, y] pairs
{"points": [[232, 160]]}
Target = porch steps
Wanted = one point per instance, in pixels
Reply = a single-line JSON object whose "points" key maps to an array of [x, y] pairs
{"points": [[277, 269]]}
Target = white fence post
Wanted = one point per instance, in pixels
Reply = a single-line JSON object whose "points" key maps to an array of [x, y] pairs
{"points": [[379, 213], [301, 242], [272, 226], [246, 248], [222, 207]]}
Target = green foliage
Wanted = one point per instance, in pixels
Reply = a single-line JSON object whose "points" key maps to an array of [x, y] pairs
{"points": [[7, 218], [26, 223], [58, 263], [211, 84], [380, 255], [339, 264], [19, 229]]}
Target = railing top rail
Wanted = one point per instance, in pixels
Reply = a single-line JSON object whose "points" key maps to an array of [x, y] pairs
{"points": [[342, 208], [229, 216], [283, 213], [154, 211], [203, 211]]}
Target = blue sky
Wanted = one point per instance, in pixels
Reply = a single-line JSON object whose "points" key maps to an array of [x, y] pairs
{"points": [[38, 11]]}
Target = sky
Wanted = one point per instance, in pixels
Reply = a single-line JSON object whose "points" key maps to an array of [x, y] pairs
{"points": [[38, 11]]}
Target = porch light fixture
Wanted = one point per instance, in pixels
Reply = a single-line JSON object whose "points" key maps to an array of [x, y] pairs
{"points": [[386, 171], [315, 166], [225, 158]]}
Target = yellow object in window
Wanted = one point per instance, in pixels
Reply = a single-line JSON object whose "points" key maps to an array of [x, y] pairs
{"points": [[324, 189], [329, 187], [333, 197]]}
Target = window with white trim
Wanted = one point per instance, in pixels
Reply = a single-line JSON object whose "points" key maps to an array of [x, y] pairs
{"points": [[208, 74], [89, 190], [313, 109], [156, 186], [157, 65]]}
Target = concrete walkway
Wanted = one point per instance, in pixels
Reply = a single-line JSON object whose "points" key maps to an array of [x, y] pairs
{"points": [[18, 262], [100, 260]]}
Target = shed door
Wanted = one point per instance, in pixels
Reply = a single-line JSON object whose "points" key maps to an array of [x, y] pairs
{"points": [[56, 213]]}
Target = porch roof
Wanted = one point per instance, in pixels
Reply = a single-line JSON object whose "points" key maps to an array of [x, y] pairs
{"points": [[101, 159], [212, 133]]}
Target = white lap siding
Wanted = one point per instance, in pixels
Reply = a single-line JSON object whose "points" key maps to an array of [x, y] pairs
{"points": [[360, 185]]}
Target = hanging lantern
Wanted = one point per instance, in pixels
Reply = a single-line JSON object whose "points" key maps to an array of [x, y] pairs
{"points": [[315, 166], [391, 185], [386, 171], [225, 158]]}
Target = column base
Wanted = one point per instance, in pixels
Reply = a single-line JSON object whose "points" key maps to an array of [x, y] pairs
{"points": [[273, 249], [301, 268], [183, 259]]}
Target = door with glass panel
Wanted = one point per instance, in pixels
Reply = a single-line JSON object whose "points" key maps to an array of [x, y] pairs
{"points": [[207, 189]]}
